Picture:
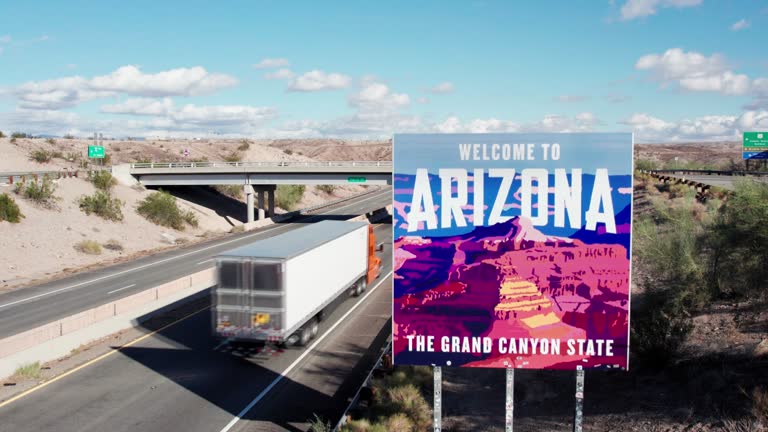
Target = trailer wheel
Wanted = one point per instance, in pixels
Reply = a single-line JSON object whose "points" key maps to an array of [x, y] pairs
{"points": [[358, 288], [314, 328], [305, 335]]}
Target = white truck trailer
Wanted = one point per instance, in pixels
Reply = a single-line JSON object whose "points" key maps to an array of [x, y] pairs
{"points": [[278, 289]]}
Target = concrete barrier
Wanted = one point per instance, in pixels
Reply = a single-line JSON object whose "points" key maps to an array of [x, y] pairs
{"points": [[56, 339]]}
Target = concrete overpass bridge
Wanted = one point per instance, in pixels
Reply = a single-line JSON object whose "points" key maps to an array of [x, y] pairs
{"points": [[259, 178]]}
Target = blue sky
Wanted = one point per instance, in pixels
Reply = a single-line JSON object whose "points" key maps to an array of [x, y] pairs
{"points": [[668, 70]]}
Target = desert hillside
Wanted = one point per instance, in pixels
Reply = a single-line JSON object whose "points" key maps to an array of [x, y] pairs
{"points": [[43, 243]]}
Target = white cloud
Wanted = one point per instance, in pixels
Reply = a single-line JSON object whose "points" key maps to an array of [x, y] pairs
{"points": [[443, 87], [174, 82], [695, 72], [571, 98], [740, 25], [705, 128], [71, 91], [220, 115], [270, 63], [582, 122], [633, 9], [318, 80], [190, 114], [279, 74], [376, 96], [5, 39], [141, 106], [422, 100]]}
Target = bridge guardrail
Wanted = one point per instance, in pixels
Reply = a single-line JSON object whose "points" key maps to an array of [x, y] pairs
{"points": [[11, 177], [710, 172], [151, 165]]}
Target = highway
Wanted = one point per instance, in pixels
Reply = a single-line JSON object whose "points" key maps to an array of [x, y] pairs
{"points": [[26, 308], [174, 380]]}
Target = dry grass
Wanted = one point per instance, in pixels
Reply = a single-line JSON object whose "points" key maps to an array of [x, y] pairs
{"points": [[89, 247], [30, 370]]}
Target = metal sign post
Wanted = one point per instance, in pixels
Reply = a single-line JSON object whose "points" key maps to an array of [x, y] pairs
{"points": [[438, 399], [510, 402], [579, 414]]}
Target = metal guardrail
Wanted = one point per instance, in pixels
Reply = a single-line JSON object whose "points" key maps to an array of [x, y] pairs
{"points": [[366, 383], [709, 172], [11, 177], [152, 165]]}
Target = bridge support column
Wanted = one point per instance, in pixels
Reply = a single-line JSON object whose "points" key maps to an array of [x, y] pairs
{"points": [[248, 189], [262, 211], [271, 201]]}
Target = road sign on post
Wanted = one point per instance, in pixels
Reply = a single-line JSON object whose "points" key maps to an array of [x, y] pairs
{"points": [[96, 152], [755, 145]]}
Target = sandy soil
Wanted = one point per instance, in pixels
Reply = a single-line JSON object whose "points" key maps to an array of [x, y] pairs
{"points": [[42, 245]]}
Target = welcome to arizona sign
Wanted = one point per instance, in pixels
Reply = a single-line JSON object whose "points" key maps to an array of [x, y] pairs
{"points": [[512, 250]]}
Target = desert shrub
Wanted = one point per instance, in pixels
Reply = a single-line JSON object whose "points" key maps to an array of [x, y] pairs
{"points": [[103, 180], [319, 425], [84, 163], [113, 245], [645, 164], [677, 190], [41, 192], [161, 208], [244, 145], [20, 135], [9, 210], [659, 329], [288, 152], [233, 191], [399, 422], [50, 141], [237, 229], [190, 217], [69, 136], [287, 196], [2, 135], [29, 370], [89, 247], [326, 188], [102, 205], [73, 156], [143, 160], [409, 401], [233, 157], [41, 156], [363, 425], [200, 159], [738, 242]]}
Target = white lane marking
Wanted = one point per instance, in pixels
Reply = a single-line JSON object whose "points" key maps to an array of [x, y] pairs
{"points": [[298, 360], [123, 288], [264, 231], [203, 262], [224, 342]]}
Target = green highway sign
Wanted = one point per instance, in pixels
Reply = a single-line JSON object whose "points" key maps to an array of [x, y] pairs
{"points": [[356, 179], [96, 152], [755, 145]]}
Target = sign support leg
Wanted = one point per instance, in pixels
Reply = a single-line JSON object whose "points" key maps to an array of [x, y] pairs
{"points": [[510, 402], [579, 414], [438, 399]]}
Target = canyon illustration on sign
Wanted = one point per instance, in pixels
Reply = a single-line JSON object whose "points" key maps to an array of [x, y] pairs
{"points": [[512, 250]]}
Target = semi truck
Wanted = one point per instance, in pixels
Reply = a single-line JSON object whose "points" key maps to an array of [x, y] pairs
{"points": [[277, 290]]}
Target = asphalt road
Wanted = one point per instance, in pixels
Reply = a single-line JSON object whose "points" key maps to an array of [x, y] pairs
{"points": [[173, 380], [26, 308], [725, 182]]}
